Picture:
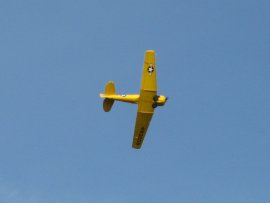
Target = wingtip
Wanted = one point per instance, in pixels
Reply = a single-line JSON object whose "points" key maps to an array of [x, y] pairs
{"points": [[136, 147], [150, 51]]}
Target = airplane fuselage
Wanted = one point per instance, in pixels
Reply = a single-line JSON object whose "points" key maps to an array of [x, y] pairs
{"points": [[148, 96]]}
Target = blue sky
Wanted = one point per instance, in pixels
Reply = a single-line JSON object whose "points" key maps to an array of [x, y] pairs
{"points": [[210, 143]]}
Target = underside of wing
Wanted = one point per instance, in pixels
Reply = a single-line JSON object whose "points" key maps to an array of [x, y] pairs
{"points": [[149, 81], [142, 123]]}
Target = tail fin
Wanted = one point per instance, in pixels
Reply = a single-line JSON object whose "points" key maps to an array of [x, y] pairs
{"points": [[109, 90]]}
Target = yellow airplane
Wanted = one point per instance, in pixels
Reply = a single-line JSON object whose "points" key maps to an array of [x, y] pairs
{"points": [[147, 100]]}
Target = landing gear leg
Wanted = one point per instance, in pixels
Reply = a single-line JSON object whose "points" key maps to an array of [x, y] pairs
{"points": [[155, 98], [154, 105]]}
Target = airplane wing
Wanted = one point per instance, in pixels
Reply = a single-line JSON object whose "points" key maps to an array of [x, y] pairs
{"points": [[149, 81], [148, 91], [142, 123]]}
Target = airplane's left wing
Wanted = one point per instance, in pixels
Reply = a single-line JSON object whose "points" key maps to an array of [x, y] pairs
{"points": [[141, 126]]}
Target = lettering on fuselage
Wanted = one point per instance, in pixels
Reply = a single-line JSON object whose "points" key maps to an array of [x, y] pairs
{"points": [[141, 135]]}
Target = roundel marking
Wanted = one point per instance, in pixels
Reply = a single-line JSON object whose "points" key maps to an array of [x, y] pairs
{"points": [[150, 69]]}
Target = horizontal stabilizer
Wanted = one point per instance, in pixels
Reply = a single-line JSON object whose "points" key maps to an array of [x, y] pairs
{"points": [[107, 104]]}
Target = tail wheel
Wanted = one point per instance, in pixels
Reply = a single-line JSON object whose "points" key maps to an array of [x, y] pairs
{"points": [[154, 105], [155, 98]]}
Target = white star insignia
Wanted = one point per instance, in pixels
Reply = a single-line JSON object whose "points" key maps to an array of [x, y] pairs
{"points": [[150, 69]]}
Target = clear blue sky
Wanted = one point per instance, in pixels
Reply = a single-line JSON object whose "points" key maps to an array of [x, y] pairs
{"points": [[210, 143]]}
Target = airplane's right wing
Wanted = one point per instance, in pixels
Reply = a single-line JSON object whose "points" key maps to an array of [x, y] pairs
{"points": [[141, 126], [149, 79]]}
